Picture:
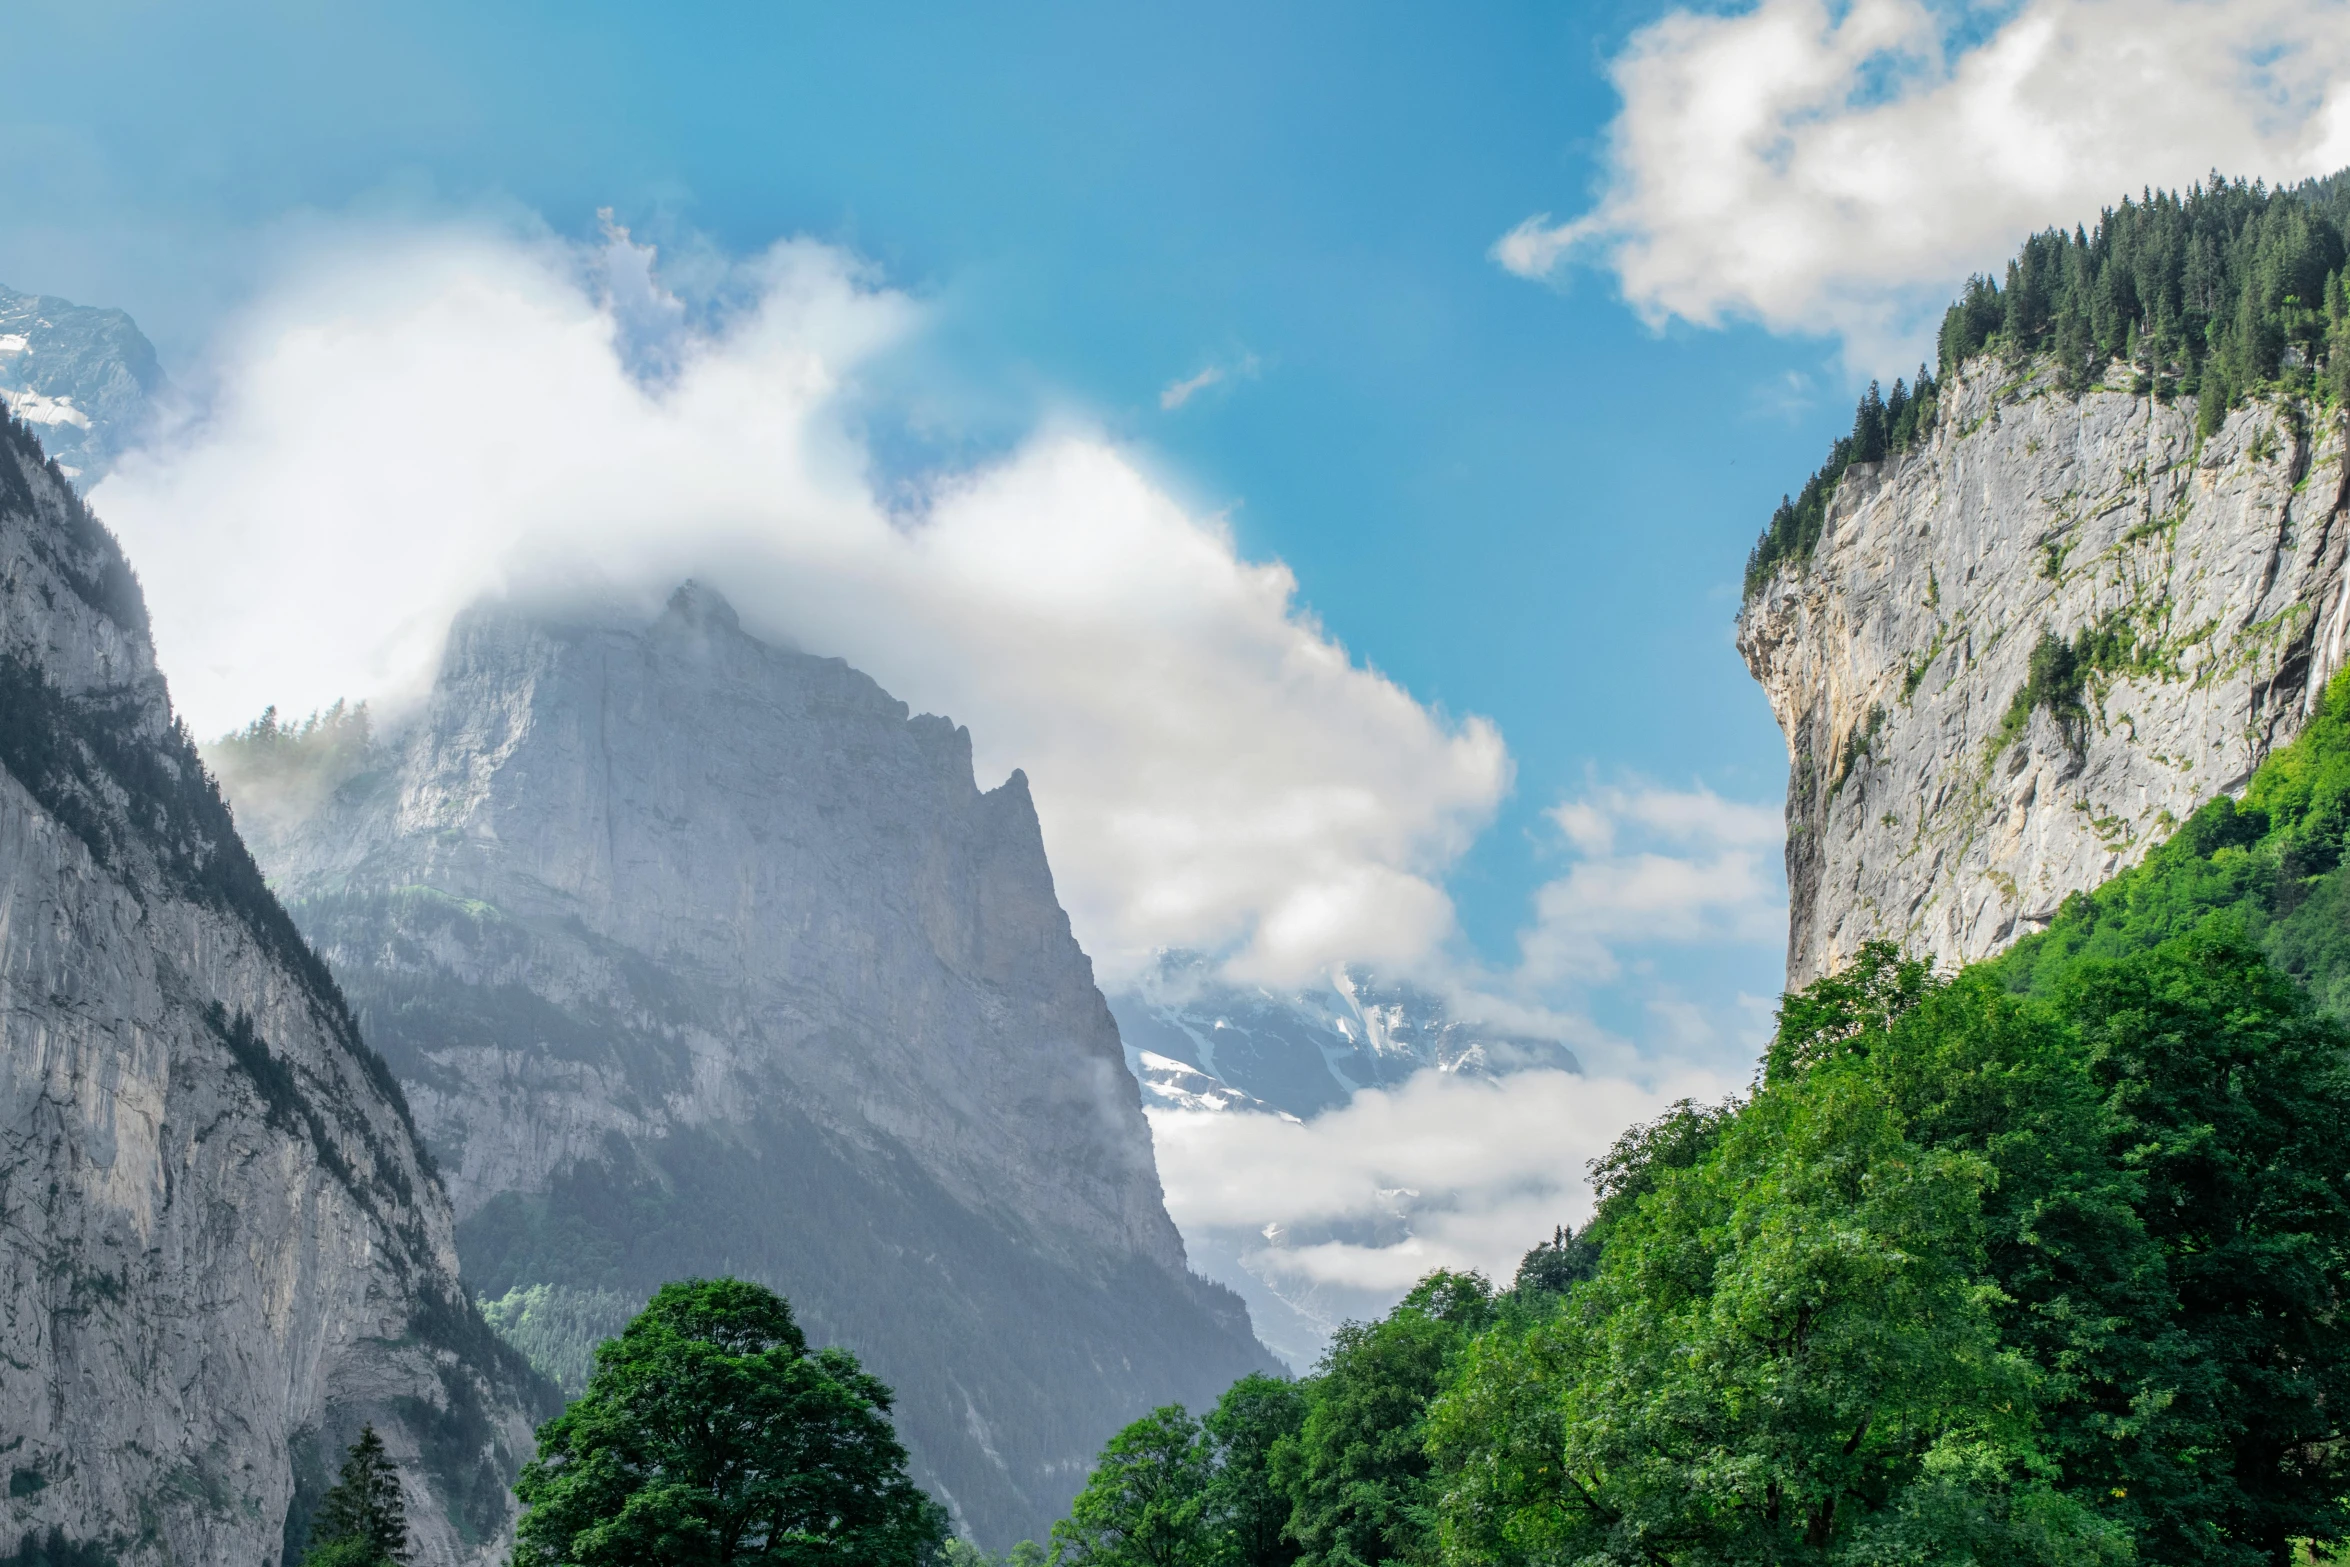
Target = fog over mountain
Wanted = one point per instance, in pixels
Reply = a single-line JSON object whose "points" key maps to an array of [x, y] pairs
{"points": [[1238, 816]]}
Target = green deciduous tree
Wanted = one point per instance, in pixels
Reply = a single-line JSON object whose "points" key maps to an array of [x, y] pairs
{"points": [[1358, 1470], [362, 1521], [710, 1435], [1247, 1511], [1789, 1354], [1145, 1504], [2232, 1107]]}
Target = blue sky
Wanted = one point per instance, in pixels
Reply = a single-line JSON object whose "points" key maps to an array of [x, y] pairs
{"points": [[1522, 498], [1515, 499]]}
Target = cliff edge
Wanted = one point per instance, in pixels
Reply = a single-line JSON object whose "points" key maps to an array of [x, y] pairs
{"points": [[2025, 648]]}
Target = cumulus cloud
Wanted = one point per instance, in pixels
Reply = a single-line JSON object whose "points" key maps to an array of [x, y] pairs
{"points": [[1323, 1220], [1840, 168], [1335, 1217], [1338, 1216], [1654, 865], [407, 424]]}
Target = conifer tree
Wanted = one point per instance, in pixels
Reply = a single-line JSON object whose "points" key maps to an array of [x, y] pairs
{"points": [[1868, 426], [363, 1520]]}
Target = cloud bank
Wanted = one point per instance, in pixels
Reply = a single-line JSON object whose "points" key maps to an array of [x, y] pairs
{"points": [[406, 425], [1335, 1217], [1338, 1216], [1655, 865], [1841, 168]]}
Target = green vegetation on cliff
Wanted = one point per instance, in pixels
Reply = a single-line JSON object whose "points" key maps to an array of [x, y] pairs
{"points": [[2227, 291], [2272, 861]]}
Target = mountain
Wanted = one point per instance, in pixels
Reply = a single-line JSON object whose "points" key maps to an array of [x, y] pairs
{"points": [[1196, 1042], [697, 955], [222, 1248], [88, 378], [2181, 596]]}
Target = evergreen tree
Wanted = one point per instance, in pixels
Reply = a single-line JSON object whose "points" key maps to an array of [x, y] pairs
{"points": [[363, 1519], [1868, 427], [1557, 1265]]}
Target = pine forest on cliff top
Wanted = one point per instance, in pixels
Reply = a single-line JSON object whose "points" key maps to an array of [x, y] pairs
{"points": [[2228, 292]]}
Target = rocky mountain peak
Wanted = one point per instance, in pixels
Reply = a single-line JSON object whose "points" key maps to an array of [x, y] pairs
{"points": [[700, 607], [86, 378], [696, 954]]}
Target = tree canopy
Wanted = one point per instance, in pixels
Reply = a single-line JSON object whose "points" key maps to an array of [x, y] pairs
{"points": [[711, 1434]]}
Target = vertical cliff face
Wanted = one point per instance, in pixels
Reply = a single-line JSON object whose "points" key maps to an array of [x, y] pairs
{"points": [[697, 955], [221, 1248], [1947, 789]]}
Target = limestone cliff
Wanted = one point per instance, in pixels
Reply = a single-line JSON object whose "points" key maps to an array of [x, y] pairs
{"points": [[221, 1247], [1937, 795], [697, 955]]}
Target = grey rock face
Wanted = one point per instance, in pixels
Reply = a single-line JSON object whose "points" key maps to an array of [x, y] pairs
{"points": [[86, 378], [697, 955], [221, 1248], [1925, 802]]}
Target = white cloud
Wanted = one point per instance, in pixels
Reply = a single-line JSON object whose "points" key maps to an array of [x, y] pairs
{"points": [[413, 421], [1841, 168], [1339, 1215], [1654, 865]]}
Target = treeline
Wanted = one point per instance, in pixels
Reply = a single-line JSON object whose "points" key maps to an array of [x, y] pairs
{"points": [[2229, 290], [2042, 1262], [334, 740]]}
